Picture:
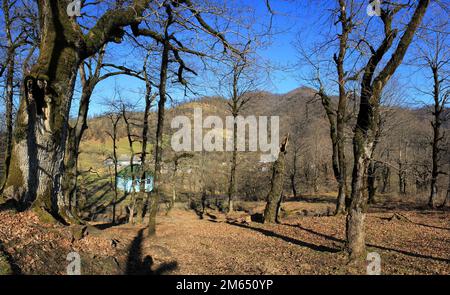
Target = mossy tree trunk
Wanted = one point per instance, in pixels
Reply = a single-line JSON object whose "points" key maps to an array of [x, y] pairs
{"points": [[41, 126], [39, 141], [276, 185]]}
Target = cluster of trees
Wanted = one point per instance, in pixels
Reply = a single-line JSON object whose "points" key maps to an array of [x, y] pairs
{"points": [[49, 54], [41, 157]]}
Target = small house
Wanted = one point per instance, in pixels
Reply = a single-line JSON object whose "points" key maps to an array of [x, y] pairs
{"points": [[125, 179]]}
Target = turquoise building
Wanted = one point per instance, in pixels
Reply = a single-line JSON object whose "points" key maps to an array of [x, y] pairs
{"points": [[125, 183]]}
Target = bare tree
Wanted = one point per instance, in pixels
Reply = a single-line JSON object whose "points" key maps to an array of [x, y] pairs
{"points": [[17, 36], [155, 194], [134, 171], [149, 99], [114, 117], [241, 85], [344, 72], [346, 19], [91, 75], [435, 54], [366, 128], [297, 137]]}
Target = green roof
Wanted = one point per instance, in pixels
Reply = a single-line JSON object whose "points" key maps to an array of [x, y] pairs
{"points": [[136, 169]]}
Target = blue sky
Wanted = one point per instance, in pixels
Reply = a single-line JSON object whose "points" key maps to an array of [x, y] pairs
{"points": [[289, 17], [292, 17], [308, 18]]}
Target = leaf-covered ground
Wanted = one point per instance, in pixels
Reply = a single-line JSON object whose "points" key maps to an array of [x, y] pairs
{"points": [[409, 241]]}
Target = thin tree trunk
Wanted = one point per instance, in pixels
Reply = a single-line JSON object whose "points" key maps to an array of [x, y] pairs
{"points": [[142, 193], [371, 181], [132, 166], [73, 150], [294, 189], [114, 138], [341, 114], [9, 95], [232, 182], [70, 179], [436, 124], [114, 122], [294, 173], [155, 194]]}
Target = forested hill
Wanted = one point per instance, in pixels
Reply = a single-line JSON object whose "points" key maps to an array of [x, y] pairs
{"points": [[404, 141]]}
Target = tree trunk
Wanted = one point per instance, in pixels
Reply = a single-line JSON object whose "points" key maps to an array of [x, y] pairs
{"points": [[342, 179], [154, 195], [386, 178], [293, 186], [336, 122], [367, 124], [9, 96], [70, 182], [114, 139], [37, 158], [371, 181], [355, 232], [73, 149], [341, 114], [436, 124], [132, 166], [294, 173], [276, 187], [142, 193], [232, 182], [39, 140]]}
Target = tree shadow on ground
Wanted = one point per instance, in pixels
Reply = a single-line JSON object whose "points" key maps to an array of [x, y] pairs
{"points": [[15, 269], [404, 252], [138, 266], [417, 223], [269, 233], [384, 206], [103, 226], [10, 205], [311, 199]]}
